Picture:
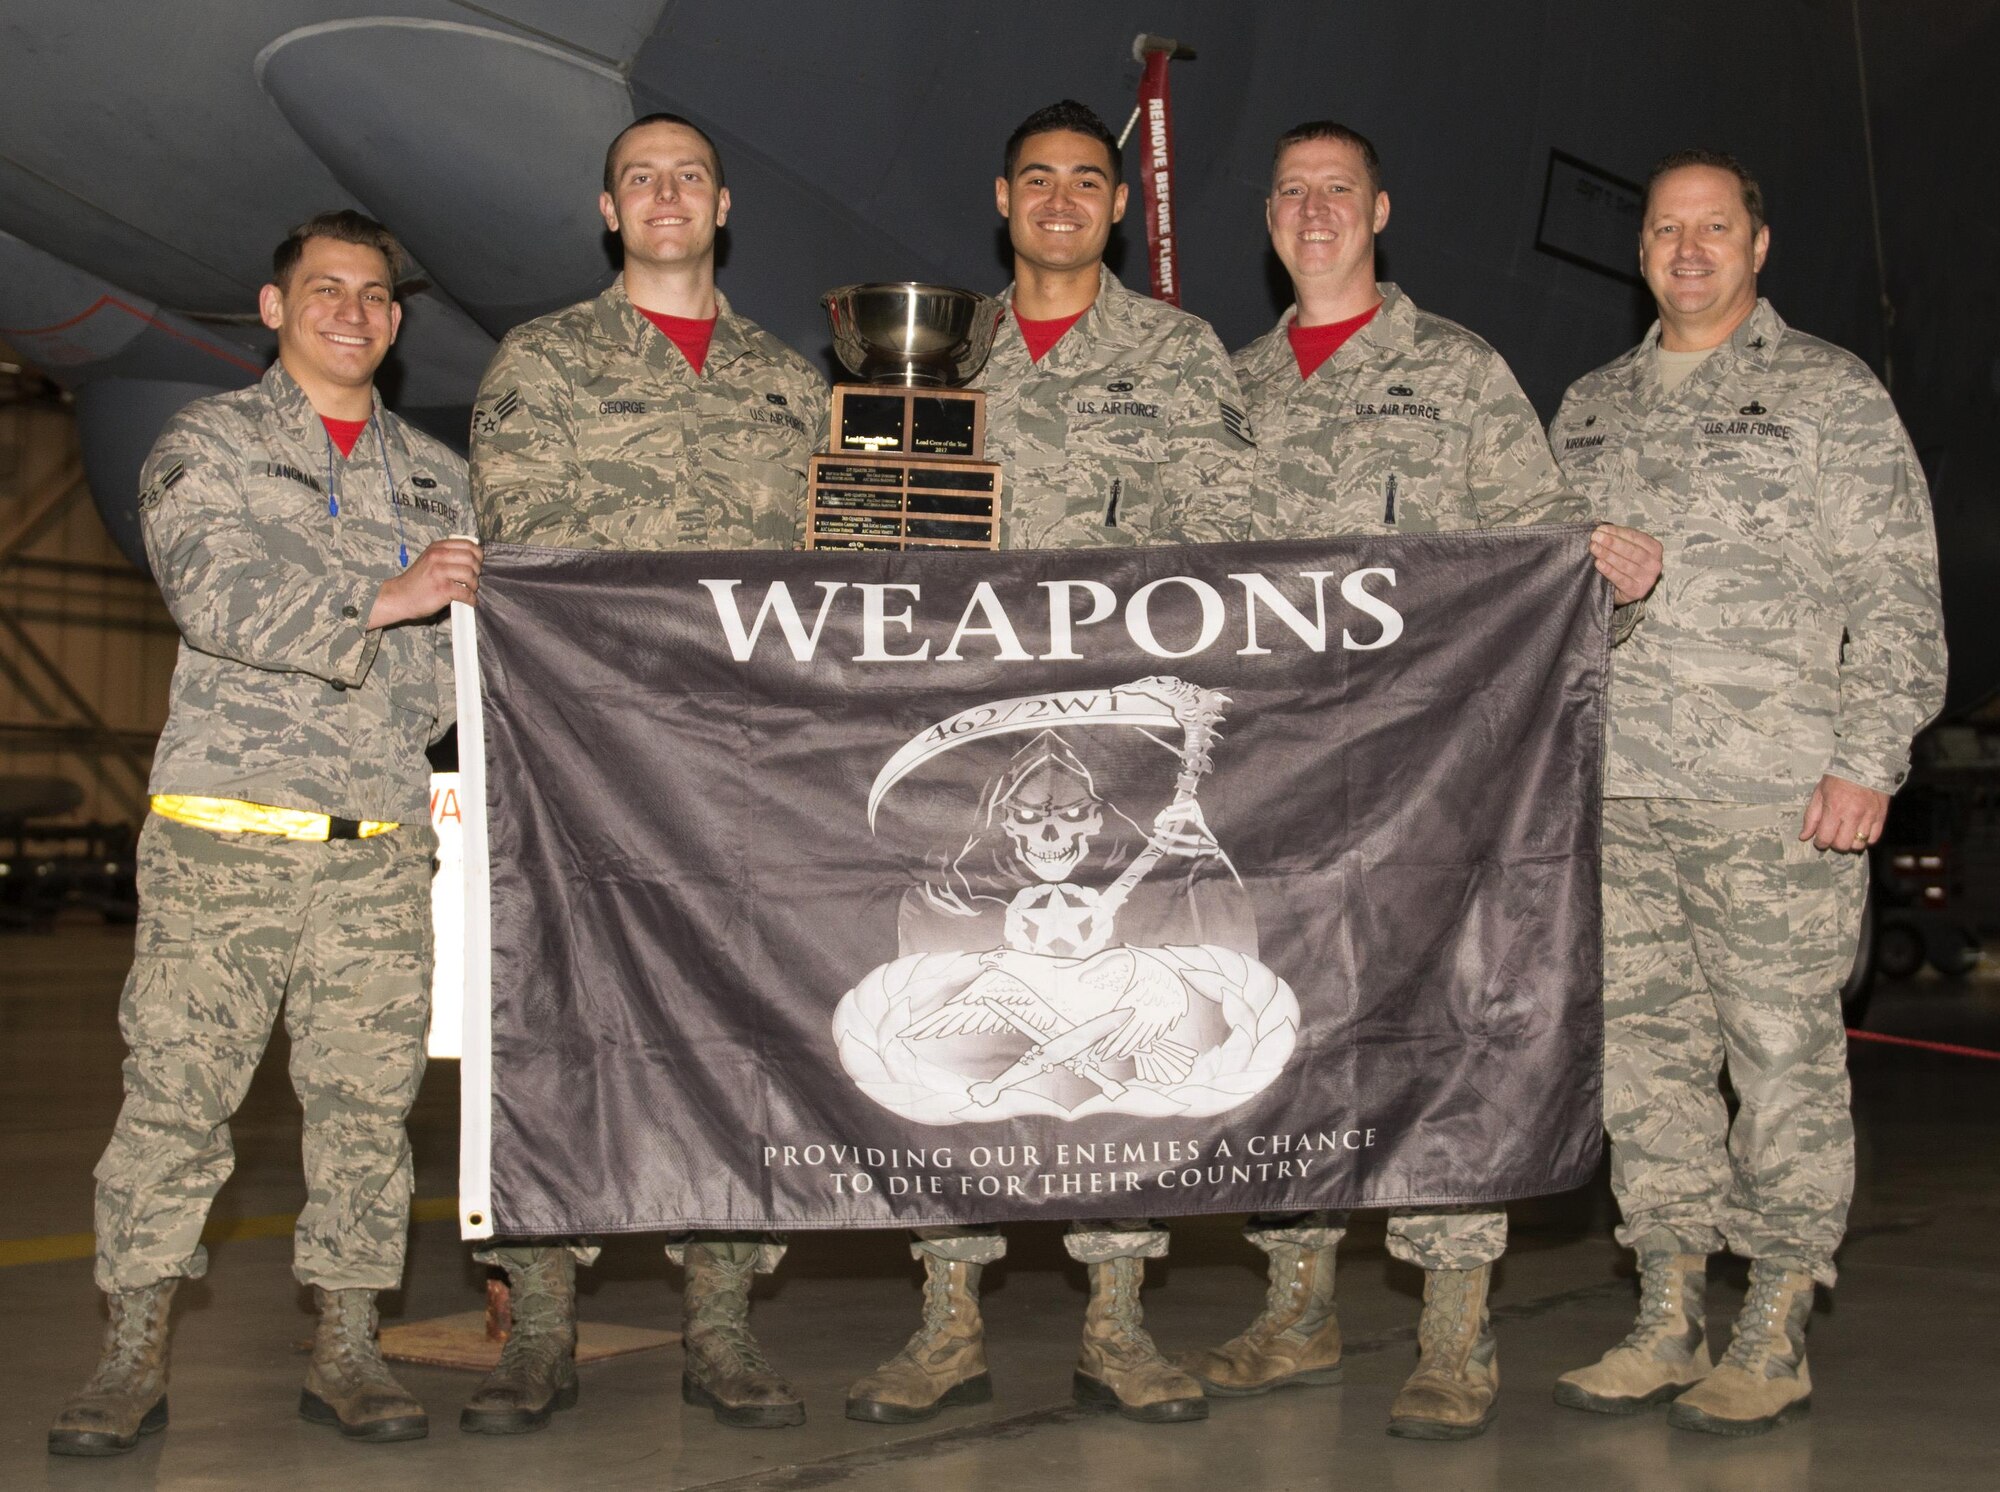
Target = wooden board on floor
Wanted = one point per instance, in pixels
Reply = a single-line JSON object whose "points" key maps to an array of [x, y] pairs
{"points": [[461, 1341]]}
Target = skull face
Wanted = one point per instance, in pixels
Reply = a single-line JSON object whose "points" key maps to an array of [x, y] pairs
{"points": [[1050, 822]]}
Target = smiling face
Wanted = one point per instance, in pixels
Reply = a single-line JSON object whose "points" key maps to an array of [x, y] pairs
{"points": [[336, 317], [665, 204], [1060, 202], [1700, 254], [1324, 213]]}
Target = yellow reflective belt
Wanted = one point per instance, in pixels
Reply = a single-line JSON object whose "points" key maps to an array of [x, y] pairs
{"points": [[232, 816]]}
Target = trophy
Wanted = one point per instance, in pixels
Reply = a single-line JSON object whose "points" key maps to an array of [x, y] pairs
{"points": [[903, 467]]}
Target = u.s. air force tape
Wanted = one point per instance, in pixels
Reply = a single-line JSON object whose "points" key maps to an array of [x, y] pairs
{"points": [[149, 497]]}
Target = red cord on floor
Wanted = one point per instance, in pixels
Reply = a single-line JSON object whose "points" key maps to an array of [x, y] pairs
{"points": [[1927, 1046]]}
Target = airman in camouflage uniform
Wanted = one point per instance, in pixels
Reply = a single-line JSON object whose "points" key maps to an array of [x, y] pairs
{"points": [[1414, 426], [1128, 430], [1411, 424], [287, 859], [594, 430], [1794, 512]]}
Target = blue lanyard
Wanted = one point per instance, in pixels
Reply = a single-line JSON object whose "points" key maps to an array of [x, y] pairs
{"points": [[388, 476]]}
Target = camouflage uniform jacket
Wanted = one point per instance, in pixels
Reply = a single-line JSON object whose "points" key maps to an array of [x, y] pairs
{"points": [[1414, 425], [593, 432], [281, 695], [1128, 431], [1792, 509]]}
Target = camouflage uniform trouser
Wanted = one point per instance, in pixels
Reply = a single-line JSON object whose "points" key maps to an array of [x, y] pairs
{"points": [[1088, 1243], [1442, 1238], [1725, 938], [761, 1251], [231, 926]]}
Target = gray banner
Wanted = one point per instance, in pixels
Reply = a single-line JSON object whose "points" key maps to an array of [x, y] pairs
{"points": [[842, 890]]}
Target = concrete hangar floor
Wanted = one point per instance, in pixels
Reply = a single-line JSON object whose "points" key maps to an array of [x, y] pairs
{"points": [[1905, 1359]]}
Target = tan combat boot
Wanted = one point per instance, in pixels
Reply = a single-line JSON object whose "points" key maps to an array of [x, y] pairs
{"points": [[1666, 1351], [347, 1383], [536, 1374], [725, 1370], [1762, 1379], [1120, 1368], [127, 1395], [1451, 1395], [944, 1364], [1296, 1339]]}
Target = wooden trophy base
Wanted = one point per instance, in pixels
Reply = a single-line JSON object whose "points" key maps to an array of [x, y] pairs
{"points": [[889, 419], [857, 501]]}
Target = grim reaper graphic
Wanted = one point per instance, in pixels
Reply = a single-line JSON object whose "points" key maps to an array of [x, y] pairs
{"points": [[1065, 958]]}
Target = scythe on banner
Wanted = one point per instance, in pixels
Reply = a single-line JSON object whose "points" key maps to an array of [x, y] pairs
{"points": [[1199, 712], [1158, 701]]}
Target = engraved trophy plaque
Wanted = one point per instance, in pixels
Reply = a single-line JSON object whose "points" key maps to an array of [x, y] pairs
{"points": [[904, 465]]}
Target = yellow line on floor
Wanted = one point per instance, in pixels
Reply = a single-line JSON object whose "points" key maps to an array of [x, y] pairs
{"points": [[55, 1246]]}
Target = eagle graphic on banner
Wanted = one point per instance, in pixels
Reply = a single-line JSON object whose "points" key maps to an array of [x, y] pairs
{"points": [[1064, 958]]}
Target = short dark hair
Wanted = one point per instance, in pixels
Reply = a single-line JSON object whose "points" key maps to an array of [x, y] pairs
{"points": [[611, 150], [343, 226], [1720, 160], [1065, 114], [1330, 129]]}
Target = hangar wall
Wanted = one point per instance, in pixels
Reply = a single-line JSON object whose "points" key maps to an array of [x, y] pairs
{"points": [[86, 646]]}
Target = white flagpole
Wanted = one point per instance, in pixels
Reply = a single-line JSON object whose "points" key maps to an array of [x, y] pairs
{"points": [[475, 1068]]}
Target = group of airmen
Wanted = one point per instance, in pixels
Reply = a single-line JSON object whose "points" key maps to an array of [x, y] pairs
{"points": [[1762, 523]]}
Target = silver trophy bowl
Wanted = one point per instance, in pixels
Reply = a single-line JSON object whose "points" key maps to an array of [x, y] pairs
{"points": [[933, 336]]}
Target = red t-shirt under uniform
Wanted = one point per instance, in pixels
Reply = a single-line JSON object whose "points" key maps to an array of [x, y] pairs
{"points": [[689, 333], [1042, 335], [343, 433], [1313, 345]]}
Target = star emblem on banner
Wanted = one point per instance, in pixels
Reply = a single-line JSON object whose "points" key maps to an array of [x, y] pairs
{"points": [[1060, 920]]}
